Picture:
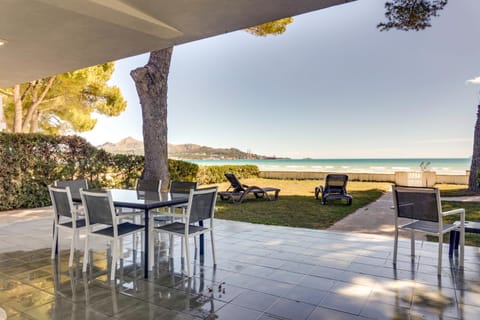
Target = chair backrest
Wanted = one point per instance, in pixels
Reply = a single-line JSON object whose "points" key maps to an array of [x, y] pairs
{"points": [[336, 183], [149, 185], [98, 207], [74, 185], [182, 186], [61, 201], [201, 204], [417, 203], [235, 183]]}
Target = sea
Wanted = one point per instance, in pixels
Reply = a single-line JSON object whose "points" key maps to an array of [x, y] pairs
{"points": [[452, 166]]}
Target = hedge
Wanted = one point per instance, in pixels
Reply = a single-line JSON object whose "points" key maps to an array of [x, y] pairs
{"points": [[31, 162], [214, 174]]}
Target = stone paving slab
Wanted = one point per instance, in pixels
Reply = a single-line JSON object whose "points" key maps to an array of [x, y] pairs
{"points": [[375, 218], [12, 216]]}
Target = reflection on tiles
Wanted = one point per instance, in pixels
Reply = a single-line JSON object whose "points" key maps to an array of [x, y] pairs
{"points": [[262, 272]]}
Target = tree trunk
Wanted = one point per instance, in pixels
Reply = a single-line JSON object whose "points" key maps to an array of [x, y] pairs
{"points": [[18, 115], [151, 83], [35, 121], [473, 179]]}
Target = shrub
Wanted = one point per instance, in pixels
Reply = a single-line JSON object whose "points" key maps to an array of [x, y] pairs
{"points": [[215, 174], [182, 170], [31, 162]]}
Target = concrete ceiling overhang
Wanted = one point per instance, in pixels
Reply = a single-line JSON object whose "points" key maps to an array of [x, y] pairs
{"points": [[46, 37]]}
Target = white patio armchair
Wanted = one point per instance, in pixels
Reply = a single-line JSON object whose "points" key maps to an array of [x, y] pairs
{"points": [[424, 208]]}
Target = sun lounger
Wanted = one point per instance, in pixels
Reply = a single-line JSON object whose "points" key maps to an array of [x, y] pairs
{"points": [[238, 191], [335, 188]]}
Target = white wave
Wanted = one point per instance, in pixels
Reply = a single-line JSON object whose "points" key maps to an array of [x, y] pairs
{"points": [[401, 168]]}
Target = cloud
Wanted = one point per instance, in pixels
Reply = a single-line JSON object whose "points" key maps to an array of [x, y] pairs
{"points": [[474, 80]]}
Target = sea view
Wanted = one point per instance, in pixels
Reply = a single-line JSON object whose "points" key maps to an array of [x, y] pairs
{"points": [[454, 166]]}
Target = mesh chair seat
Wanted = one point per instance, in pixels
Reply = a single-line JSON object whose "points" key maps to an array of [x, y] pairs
{"points": [[428, 226], [79, 224], [123, 229], [178, 227]]}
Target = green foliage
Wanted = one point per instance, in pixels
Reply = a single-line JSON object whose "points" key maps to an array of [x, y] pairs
{"points": [[182, 170], [65, 102], [31, 162], [410, 14], [215, 174], [124, 171]]}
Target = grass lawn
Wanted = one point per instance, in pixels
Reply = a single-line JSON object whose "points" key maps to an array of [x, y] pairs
{"points": [[472, 213], [297, 206]]}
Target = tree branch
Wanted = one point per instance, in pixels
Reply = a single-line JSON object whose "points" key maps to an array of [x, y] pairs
{"points": [[36, 102], [6, 93]]}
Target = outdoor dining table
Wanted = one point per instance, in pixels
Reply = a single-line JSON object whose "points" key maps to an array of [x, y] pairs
{"points": [[145, 201]]}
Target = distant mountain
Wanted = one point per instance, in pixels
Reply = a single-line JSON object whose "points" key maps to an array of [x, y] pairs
{"points": [[130, 145]]}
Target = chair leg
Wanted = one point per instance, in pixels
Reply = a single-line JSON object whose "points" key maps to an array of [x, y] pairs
{"points": [[170, 250], [120, 247], [462, 247], [72, 248], [440, 251], [151, 247], [213, 248], [182, 252], [55, 239], [115, 249], [189, 268], [412, 243], [85, 255], [395, 247]]}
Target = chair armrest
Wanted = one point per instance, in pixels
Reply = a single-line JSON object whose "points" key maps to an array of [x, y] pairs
{"points": [[460, 211]]}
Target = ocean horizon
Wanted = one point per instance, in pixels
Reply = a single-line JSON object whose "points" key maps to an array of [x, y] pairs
{"points": [[452, 166]]}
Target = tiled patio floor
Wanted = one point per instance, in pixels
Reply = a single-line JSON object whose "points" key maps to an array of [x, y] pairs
{"points": [[263, 272]]}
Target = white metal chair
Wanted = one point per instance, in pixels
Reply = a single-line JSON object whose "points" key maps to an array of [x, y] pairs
{"points": [[172, 213], [102, 222], [182, 187], [201, 206], [142, 185], [65, 217], [75, 186], [423, 206]]}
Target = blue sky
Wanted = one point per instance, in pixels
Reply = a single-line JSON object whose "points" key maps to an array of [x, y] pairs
{"points": [[332, 86]]}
